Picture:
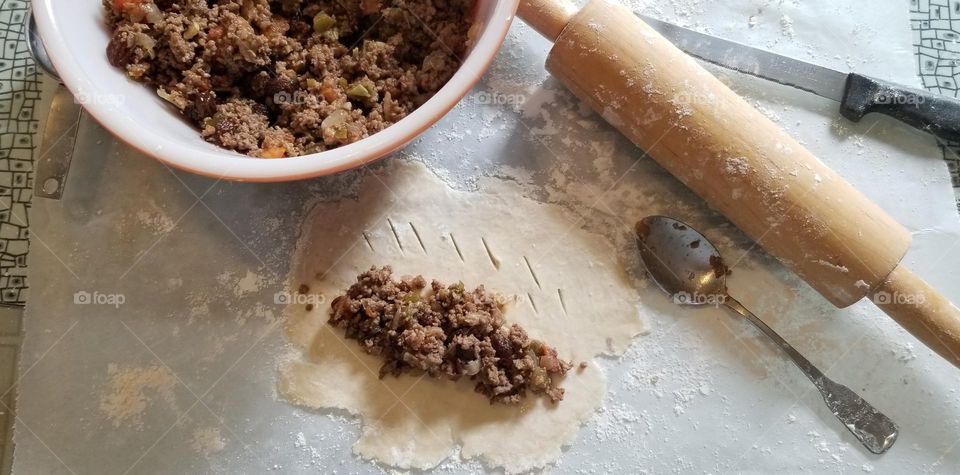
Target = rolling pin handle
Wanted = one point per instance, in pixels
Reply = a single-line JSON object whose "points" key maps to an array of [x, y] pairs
{"points": [[547, 17], [922, 311]]}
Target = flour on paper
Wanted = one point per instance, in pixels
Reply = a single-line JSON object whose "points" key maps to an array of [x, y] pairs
{"points": [[132, 389], [565, 285], [208, 441]]}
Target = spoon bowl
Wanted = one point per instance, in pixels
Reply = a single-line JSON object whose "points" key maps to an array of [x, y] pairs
{"points": [[682, 261]]}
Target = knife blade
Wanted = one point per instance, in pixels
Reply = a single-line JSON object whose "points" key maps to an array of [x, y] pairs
{"points": [[857, 94]]}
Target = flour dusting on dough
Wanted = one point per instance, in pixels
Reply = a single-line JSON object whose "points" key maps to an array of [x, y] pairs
{"points": [[566, 287]]}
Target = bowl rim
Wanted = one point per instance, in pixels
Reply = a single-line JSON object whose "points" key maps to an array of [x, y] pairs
{"points": [[228, 165]]}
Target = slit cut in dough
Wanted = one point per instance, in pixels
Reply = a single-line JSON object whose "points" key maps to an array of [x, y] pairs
{"points": [[413, 422]]}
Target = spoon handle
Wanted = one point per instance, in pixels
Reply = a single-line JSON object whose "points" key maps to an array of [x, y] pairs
{"points": [[871, 427]]}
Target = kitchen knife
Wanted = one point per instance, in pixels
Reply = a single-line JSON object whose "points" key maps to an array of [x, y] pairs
{"points": [[857, 94]]}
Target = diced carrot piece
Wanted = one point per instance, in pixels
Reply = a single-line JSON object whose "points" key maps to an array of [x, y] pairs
{"points": [[215, 33], [119, 5]]}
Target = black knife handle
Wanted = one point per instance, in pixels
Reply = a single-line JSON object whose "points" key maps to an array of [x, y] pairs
{"points": [[933, 113]]}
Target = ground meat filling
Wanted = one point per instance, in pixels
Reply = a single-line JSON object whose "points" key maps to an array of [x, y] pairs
{"points": [[280, 78], [446, 332]]}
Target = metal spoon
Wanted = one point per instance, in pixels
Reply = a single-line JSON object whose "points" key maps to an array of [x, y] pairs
{"points": [[60, 133], [687, 266], [36, 48]]}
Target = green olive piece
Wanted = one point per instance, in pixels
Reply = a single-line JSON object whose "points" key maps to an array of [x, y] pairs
{"points": [[192, 30], [323, 22], [369, 85], [358, 92]]}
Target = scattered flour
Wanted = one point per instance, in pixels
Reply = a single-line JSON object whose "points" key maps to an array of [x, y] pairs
{"points": [[217, 345], [904, 352], [737, 166], [615, 422], [786, 26], [155, 220], [131, 390], [207, 441], [838, 268], [249, 283]]}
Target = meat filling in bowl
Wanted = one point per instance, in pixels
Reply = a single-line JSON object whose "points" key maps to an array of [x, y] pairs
{"points": [[281, 78]]}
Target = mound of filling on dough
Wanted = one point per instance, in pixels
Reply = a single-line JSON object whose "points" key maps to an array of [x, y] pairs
{"points": [[446, 331], [279, 78]]}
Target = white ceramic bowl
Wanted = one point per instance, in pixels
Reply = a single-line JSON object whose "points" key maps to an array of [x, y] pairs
{"points": [[75, 36]]}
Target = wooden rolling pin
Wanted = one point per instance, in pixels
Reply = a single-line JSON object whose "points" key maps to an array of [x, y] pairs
{"points": [[741, 163]]}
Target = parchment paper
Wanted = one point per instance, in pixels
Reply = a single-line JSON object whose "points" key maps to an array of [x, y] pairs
{"points": [[197, 264]]}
